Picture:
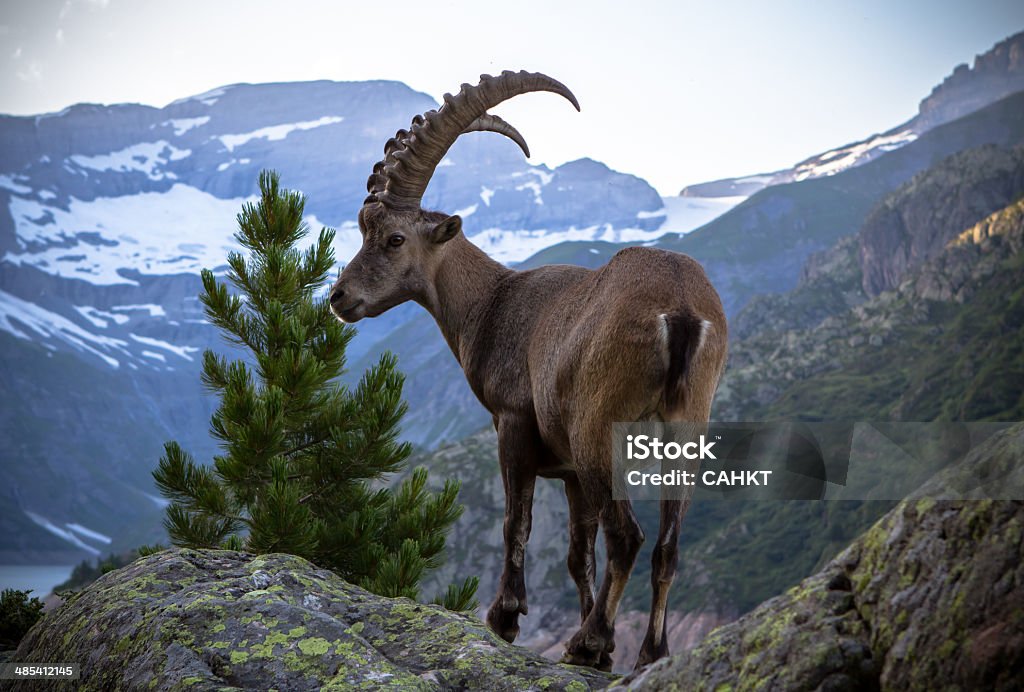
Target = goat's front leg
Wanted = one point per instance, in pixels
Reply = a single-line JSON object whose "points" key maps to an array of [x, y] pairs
{"points": [[518, 447]]}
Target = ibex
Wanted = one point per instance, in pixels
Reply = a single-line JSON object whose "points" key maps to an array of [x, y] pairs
{"points": [[555, 354]]}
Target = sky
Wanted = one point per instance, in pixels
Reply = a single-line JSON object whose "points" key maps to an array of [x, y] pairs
{"points": [[676, 92]]}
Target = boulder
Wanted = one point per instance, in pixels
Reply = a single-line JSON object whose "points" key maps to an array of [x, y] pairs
{"points": [[930, 597], [210, 619]]}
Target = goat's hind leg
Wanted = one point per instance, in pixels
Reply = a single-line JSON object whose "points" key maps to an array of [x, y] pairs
{"points": [[663, 571], [593, 644], [582, 535]]}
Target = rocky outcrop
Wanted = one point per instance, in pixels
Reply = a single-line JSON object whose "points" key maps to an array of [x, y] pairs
{"points": [[941, 344], [206, 620], [996, 73], [914, 224], [931, 597]]}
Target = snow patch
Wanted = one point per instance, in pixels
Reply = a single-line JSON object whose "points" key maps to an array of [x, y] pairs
{"points": [[15, 312], [178, 231], [89, 533], [68, 536], [276, 132], [183, 125], [145, 157], [681, 214], [685, 214], [207, 97], [832, 162], [158, 501], [228, 164], [98, 317], [153, 309], [652, 214], [8, 182], [511, 246], [180, 351], [535, 185]]}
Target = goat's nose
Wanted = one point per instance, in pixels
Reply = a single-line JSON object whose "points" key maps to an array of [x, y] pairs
{"points": [[336, 295]]}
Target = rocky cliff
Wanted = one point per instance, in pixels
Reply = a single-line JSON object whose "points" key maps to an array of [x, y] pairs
{"points": [[996, 73], [931, 597], [944, 342], [915, 223]]}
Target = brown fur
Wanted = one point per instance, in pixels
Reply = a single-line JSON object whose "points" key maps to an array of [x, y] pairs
{"points": [[557, 354]]}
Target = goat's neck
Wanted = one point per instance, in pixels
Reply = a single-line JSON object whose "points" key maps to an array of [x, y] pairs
{"points": [[463, 286]]}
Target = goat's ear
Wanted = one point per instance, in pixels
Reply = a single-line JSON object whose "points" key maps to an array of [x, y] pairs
{"points": [[446, 230]]}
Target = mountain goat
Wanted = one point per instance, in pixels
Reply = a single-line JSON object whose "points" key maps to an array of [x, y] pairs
{"points": [[555, 354]]}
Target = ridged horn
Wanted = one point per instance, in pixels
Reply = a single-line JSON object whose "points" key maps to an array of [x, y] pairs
{"points": [[410, 157], [492, 123]]}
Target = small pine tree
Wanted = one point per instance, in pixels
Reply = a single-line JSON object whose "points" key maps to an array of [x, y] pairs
{"points": [[18, 613], [303, 456]]}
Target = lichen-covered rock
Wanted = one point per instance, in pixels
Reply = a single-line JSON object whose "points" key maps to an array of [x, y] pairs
{"points": [[932, 597], [205, 620]]}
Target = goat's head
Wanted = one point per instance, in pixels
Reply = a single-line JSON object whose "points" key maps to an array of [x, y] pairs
{"points": [[403, 244]]}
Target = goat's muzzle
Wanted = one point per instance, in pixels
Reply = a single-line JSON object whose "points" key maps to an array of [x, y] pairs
{"points": [[347, 308]]}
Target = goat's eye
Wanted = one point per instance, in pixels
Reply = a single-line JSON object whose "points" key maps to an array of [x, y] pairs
{"points": [[396, 240]]}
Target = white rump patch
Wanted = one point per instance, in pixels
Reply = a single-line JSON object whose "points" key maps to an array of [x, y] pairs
{"points": [[705, 327], [663, 335]]}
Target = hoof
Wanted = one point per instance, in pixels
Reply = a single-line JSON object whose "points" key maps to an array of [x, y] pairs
{"points": [[649, 653], [589, 650], [504, 621]]}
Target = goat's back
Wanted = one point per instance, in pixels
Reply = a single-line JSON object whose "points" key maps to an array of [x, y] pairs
{"points": [[604, 350]]}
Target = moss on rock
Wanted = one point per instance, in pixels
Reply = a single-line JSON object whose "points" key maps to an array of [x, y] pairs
{"points": [[205, 620], [931, 597]]}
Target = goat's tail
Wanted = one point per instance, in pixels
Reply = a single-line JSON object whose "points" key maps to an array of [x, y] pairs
{"points": [[683, 336]]}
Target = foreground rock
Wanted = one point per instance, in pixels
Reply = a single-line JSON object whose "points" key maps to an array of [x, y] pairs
{"points": [[932, 597], [208, 620]]}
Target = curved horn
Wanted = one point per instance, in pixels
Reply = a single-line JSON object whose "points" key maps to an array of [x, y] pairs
{"points": [[410, 157], [492, 123]]}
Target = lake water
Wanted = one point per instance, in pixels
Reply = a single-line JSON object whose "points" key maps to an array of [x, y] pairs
{"points": [[40, 578]]}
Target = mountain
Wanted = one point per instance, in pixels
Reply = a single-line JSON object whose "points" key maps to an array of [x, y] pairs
{"points": [[996, 74], [945, 343], [916, 224], [107, 214]]}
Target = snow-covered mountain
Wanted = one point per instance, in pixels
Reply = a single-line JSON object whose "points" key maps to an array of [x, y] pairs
{"points": [[112, 195], [996, 73], [107, 215]]}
